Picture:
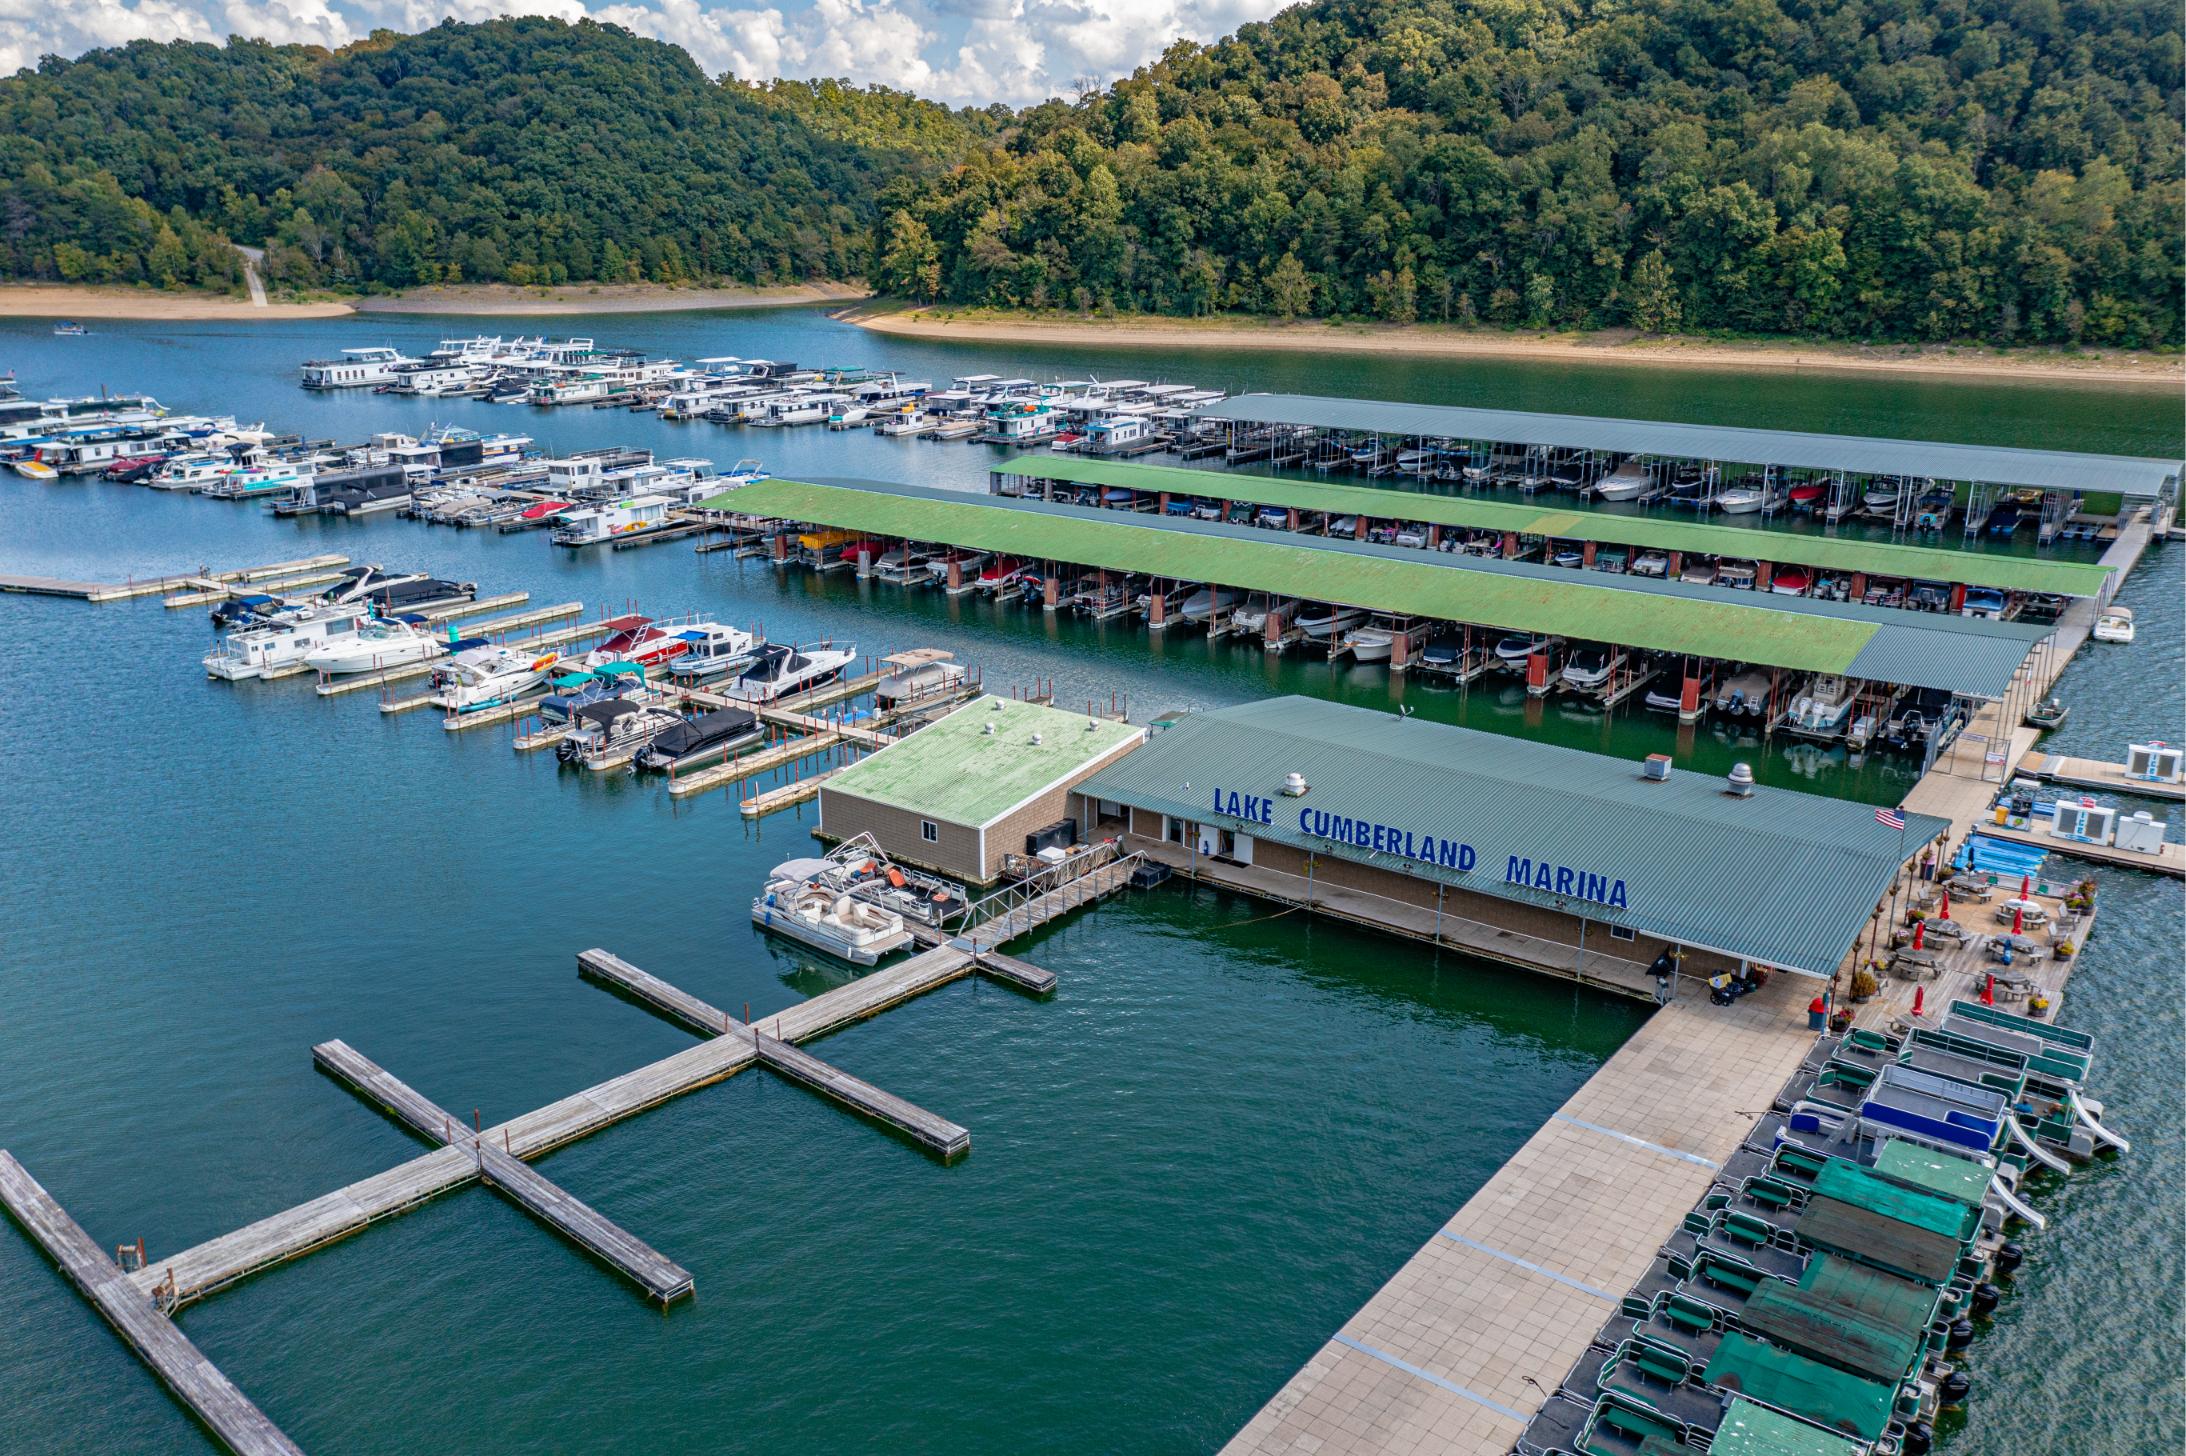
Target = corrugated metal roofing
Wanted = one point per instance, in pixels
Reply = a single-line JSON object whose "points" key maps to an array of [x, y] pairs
{"points": [[1826, 553], [1860, 454], [1783, 878], [1917, 649]]}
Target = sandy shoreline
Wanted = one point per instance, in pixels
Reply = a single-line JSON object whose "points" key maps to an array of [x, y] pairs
{"points": [[76, 301], [583, 298], [1432, 341]]}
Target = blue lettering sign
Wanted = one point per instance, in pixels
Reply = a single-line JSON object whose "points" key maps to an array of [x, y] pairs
{"points": [[1560, 880]]}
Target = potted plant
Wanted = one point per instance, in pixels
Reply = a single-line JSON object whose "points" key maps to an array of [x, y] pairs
{"points": [[1864, 986]]}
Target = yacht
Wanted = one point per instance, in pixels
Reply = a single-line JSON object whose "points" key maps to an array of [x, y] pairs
{"points": [[380, 643], [487, 677], [611, 731], [711, 649], [777, 671], [803, 901], [2114, 625], [645, 643], [355, 368], [693, 743], [258, 651], [1821, 711]]}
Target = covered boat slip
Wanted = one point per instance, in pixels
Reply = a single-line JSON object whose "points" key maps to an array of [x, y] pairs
{"points": [[1580, 836], [1972, 658], [1857, 455], [1462, 513]]}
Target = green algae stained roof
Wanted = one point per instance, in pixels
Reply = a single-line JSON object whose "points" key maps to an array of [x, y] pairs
{"points": [[1755, 1430], [1862, 1188], [955, 771], [1858, 1408], [1876, 558], [1690, 860], [1959, 1179], [1916, 649]]}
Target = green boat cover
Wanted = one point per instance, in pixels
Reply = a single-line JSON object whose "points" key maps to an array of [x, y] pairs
{"points": [[1744, 1366], [1879, 1298], [1755, 1430], [1864, 1188], [1889, 1243], [1962, 1180], [1850, 1339]]}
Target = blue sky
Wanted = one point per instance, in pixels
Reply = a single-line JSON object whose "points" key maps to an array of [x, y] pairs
{"points": [[959, 51]]}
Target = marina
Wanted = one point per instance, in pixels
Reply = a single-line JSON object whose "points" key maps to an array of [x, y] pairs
{"points": [[1683, 1082]]}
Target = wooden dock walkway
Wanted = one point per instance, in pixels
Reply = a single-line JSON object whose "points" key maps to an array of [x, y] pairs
{"points": [[214, 1399], [2169, 860], [782, 796], [746, 765], [101, 591], [1010, 971], [627, 1254], [1029, 914], [2089, 773], [218, 591]]}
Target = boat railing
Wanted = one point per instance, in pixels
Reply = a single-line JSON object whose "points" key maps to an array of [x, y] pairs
{"points": [[1072, 879]]}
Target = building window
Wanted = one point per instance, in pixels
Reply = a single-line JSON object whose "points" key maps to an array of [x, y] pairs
{"points": [[1618, 932], [928, 832]]}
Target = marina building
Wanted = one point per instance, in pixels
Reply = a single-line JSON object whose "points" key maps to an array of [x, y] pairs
{"points": [[965, 796], [1542, 856]]}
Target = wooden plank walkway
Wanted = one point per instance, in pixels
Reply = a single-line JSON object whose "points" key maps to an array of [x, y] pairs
{"points": [[2089, 773], [584, 1225], [472, 608], [101, 591], [211, 592], [746, 765], [1032, 914], [210, 1396], [784, 795], [1010, 971]]}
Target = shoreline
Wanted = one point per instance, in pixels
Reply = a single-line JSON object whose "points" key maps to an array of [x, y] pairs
{"points": [[583, 298], [100, 301], [1443, 342]]}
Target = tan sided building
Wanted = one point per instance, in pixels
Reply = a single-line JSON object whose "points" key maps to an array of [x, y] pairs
{"points": [[979, 784]]}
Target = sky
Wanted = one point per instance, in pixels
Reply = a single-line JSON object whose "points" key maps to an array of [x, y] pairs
{"points": [[964, 52]]}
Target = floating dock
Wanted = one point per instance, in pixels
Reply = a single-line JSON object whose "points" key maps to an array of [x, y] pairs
{"points": [[2088, 773], [98, 591]]}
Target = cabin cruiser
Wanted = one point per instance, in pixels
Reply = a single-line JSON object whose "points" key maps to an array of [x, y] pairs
{"points": [[611, 731], [803, 900], [487, 677], [777, 671], [692, 743], [2115, 624], [192, 471], [258, 651], [392, 595], [355, 368], [1821, 710], [712, 648], [650, 644], [380, 643]]}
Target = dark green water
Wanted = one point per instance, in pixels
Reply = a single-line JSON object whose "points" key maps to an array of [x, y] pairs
{"points": [[1188, 1167]]}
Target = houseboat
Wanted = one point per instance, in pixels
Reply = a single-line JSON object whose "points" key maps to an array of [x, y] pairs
{"points": [[355, 369]]}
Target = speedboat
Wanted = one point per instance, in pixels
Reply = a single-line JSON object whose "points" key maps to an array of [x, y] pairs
{"points": [[1627, 482], [777, 671], [691, 743], [69, 330], [1881, 498], [487, 677], [1512, 652], [31, 468], [1740, 500], [1821, 711], [1807, 497], [1370, 644], [2114, 625], [1983, 601], [379, 643], [1650, 563], [1790, 581], [1321, 623], [712, 648], [1441, 654], [612, 731], [258, 651], [1206, 603], [1591, 667], [576, 689], [801, 900]]}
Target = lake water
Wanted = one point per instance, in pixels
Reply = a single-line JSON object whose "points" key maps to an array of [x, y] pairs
{"points": [[1223, 1133]]}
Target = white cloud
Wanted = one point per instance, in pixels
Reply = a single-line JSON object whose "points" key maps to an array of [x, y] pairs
{"points": [[966, 52]]}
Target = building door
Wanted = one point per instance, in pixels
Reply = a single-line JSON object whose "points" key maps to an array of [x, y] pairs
{"points": [[1241, 850]]}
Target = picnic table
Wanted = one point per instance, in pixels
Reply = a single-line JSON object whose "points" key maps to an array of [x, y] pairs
{"points": [[1967, 888]]}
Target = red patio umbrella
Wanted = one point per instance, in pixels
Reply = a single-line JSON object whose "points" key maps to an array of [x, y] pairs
{"points": [[1988, 990], [2018, 918], [1920, 995], [1920, 928], [1945, 912]]}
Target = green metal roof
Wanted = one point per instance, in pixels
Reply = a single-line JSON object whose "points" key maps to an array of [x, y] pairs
{"points": [[1856, 454], [1961, 1180], [1879, 1298], [1826, 553], [1755, 1430], [954, 770], [1916, 649], [1692, 864], [1831, 1398]]}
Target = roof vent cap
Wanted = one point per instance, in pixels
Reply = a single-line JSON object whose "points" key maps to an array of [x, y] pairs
{"points": [[1092, 725], [1036, 739], [1294, 784], [1657, 767], [995, 706], [986, 730], [1740, 783]]}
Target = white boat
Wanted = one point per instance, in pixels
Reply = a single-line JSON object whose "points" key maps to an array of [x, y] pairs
{"points": [[1627, 482], [594, 524], [1740, 500], [1322, 623], [486, 677], [258, 651], [191, 472], [1370, 644], [715, 648], [378, 644], [31, 468], [1592, 667], [1881, 497], [801, 901], [1821, 711], [355, 368], [1514, 650], [1650, 563], [777, 671], [1207, 603], [611, 732], [922, 672], [2114, 625]]}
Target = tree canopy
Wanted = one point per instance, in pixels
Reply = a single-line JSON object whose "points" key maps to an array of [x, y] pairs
{"points": [[1871, 169]]}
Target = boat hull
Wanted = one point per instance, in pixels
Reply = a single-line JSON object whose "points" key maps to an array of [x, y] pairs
{"points": [[797, 928]]}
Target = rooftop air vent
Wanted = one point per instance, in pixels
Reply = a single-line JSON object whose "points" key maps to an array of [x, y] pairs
{"points": [[1657, 768], [1036, 740], [986, 730], [1740, 783], [1092, 725], [1294, 784]]}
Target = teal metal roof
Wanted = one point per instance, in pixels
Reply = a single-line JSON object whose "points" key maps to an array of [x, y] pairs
{"points": [[1916, 649], [1858, 454], [1783, 878]]}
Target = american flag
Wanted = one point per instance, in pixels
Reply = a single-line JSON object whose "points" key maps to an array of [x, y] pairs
{"points": [[1891, 817]]}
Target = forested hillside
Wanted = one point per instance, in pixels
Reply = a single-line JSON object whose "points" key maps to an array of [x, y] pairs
{"points": [[516, 150], [1868, 169]]}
